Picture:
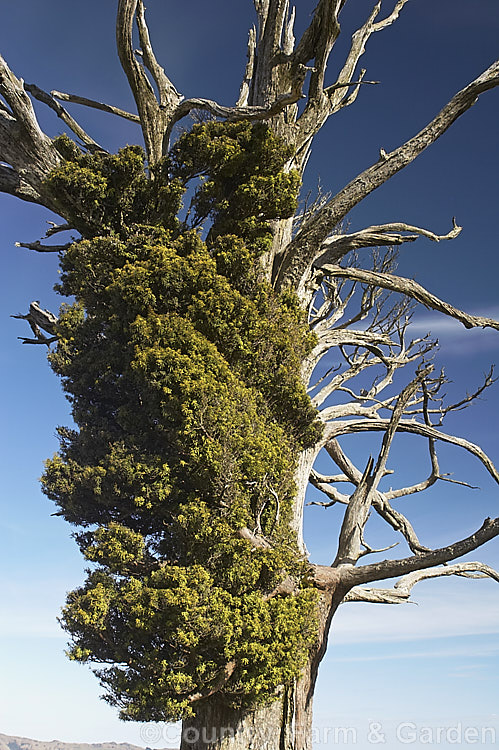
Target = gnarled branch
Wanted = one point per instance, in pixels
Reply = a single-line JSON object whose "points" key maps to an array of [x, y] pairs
{"points": [[402, 590], [411, 289], [413, 427], [300, 253], [24, 147], [154, 119], [393, 568], [54, 105], [75, 99]]}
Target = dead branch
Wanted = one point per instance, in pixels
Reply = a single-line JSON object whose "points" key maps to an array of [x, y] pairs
{"points": [[75, 99], [235, 114], [394, 568], [168, 94], [335, 247], [39, 319], [355, 519], [41, 339], [340, 337], [415, 428], [379, 502], [413, 290], [54, 105], [154, 119], [356, 514], [56, 228], [27, 154], [322, 103], [402, 590], [300, 253], [39, 248], [249, 71]]}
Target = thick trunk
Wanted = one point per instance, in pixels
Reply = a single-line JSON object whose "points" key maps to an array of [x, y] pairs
{"points": [[217, 726]]}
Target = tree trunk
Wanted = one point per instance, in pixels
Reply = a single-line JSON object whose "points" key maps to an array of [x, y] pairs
{"points": [[217, 726]]}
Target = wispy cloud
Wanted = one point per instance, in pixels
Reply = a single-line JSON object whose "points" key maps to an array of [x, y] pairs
{"points": [[438, 615], [454, 338], [439, 650]]}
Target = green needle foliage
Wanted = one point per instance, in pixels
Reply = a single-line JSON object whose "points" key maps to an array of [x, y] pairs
{"points": [[182, 368]]}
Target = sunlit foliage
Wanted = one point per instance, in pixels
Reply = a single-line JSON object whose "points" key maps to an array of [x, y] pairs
{"points": [[182, 368]]}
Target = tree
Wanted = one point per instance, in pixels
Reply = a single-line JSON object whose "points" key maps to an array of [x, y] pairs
{"points": [[196, 439]]}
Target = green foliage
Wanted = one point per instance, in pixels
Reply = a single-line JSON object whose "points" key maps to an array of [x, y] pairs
{"points": [[99, 193], [182, 368]]}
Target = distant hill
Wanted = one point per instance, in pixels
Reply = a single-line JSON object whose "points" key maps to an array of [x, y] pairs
{"points": [[23, 743]]}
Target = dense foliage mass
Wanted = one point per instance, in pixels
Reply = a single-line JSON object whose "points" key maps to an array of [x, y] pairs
{"points": [[182, 368]]}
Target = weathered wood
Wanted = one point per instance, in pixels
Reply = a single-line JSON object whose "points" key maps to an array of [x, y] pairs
{"points": [[299, 255]]}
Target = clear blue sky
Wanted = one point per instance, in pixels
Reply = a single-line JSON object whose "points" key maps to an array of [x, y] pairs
{"points": [[434, 664]]}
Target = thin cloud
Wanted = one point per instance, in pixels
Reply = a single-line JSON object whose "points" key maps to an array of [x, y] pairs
{"points": [[467, 650], [438, 324], [438, 615]]}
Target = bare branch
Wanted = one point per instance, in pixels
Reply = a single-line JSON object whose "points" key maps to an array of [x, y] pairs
{"points": [[412, 427], [435, 469], [356, 514], [402, 590], [12, 89], [320, 34], [39, 248], [341, 337], [234, 114], [397, 414], [168, 94], [75, 99], [23, 146], [39, 319], [411, 289], [40, 340], [301, 251], [249, 71], [288, 37], [379, 502], [323, 103], [337, 246], [360, 38], [56, 228], [355, 519], [51, 102], [154, 119]]}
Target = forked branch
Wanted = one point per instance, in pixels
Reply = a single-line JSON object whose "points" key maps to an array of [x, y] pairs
{"points": [[411, 289], [394, 568], [27, 154], [402, 590], [413, 427], [300, 253]]}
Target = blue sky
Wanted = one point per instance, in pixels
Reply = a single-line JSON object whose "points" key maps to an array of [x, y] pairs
{"points": [[432, 664]]}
